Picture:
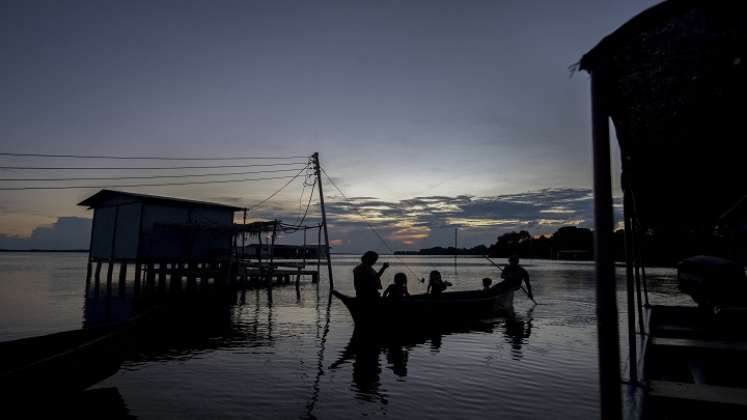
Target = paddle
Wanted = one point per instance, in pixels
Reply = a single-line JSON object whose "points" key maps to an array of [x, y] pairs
{"points": [[521, 286]]}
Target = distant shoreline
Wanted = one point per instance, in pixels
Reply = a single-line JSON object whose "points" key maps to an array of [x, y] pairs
{"points": [[43, 250]]}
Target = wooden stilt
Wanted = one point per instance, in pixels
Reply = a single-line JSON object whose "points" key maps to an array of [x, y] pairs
{"points": [[162, 271], [88, 274], [122, 277], [138, 272], [150, 276], [109, 272], [97, 274]]}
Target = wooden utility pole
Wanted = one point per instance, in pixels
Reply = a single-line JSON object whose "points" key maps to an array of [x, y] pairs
{"points": [[318, 171]]}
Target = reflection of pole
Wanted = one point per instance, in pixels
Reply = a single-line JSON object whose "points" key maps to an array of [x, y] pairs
{"points": [[317, 170], [606, 293]]}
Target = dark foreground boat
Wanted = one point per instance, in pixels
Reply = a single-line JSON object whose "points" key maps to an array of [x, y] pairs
{"points": [[426, 309], [65, 362]]}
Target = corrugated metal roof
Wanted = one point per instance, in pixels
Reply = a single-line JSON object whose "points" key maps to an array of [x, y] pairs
{"points": [[105, 195]]}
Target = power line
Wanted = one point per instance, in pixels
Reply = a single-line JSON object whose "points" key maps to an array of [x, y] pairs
{"points": [[81, 187], [381, 238], [258, 205], [73, 156], [308, 204], [104, 178], [110, 168]]}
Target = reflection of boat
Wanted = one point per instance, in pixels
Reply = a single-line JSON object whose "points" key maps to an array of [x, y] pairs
{"points": [[364, 351], [424, 309], [63, 362]]}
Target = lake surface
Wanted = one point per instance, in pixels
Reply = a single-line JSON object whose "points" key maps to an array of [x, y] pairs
{"points": [[288, 353]]}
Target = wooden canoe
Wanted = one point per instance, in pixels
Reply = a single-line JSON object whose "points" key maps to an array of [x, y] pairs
{"points": [[64, 362], [426, 309]]}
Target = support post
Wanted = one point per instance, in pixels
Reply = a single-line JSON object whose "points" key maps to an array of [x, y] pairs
{"points": [[97, 274], [109, 272], [89, 270], [606, 308], [318, 172], [629, 286], [138, 273], [122, 277], [112, 253]]}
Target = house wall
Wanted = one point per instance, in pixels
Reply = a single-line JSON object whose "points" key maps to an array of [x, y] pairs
{"points": [[207, 243], [128, 221], [152, 241], [101, 234]]}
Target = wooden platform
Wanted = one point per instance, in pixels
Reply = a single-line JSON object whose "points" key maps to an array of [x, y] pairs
{"points": [[695, 364], [687, 344], [697, 392]]}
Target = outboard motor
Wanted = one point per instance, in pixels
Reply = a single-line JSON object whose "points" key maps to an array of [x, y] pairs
{"points": [[712, 281]]}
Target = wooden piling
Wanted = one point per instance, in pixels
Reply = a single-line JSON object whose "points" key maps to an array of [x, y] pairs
{"points": [[109, 272], [150, 276], [122, 277], [138, 272], [88, 274]]}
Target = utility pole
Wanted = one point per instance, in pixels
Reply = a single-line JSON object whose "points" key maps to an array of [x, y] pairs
{"points": [[318, 171], [456, 248]]}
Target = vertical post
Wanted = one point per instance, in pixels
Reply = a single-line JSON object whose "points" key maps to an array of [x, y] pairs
{"points": [[317, 170], [272, 253], [456, 247], [606, 308], [629, 258], [90, 251], [243, 238], [122, 277], [138, 273], [112, 253], [88, 272], [97, 274]]}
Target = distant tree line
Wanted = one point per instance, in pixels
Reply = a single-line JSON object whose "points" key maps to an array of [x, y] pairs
{"points": [[575, 243]]}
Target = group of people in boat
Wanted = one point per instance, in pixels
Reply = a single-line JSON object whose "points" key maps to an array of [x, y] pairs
{"points": [[367, 280]]}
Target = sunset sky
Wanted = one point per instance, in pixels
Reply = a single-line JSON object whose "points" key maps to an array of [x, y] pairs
{"points": [[431, 115]]}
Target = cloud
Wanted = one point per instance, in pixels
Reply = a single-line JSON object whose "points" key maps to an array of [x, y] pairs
{"points": [[412, 223], [65, 233], [425, 221]]}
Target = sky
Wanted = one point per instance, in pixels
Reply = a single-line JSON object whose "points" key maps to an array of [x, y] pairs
{"points": [[430, 115]]}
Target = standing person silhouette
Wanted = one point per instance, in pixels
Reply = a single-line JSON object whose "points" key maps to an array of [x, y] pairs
{"points": [[366, 280], [513, 275]]}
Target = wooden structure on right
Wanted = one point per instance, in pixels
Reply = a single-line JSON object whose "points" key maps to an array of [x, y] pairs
{"points": [[673, 80]]}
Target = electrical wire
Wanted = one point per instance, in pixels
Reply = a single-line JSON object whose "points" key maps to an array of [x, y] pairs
{"points": [[271, 196], [82, 187], [115, 157], [110, 168], [104, 178], [308, 204]]}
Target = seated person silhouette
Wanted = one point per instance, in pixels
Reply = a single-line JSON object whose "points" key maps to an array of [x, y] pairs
{"points": [[436, 285], [486, 282], [398, 289]]}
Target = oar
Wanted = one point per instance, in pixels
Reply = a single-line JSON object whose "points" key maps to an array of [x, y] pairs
{"points": [[521, 286]]}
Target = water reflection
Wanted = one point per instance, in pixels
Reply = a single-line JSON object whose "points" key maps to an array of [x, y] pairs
{"points": [[517, 330], [365, 348]]}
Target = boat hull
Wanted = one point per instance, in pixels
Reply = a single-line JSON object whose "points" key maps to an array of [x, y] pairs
{"points": [[427, 310]]}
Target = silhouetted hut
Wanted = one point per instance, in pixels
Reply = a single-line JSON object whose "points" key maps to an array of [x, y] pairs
{"points": [[129, 227], [674, 81]]}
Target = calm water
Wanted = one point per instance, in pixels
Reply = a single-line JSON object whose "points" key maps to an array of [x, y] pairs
{"points": [[288, 354]]}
